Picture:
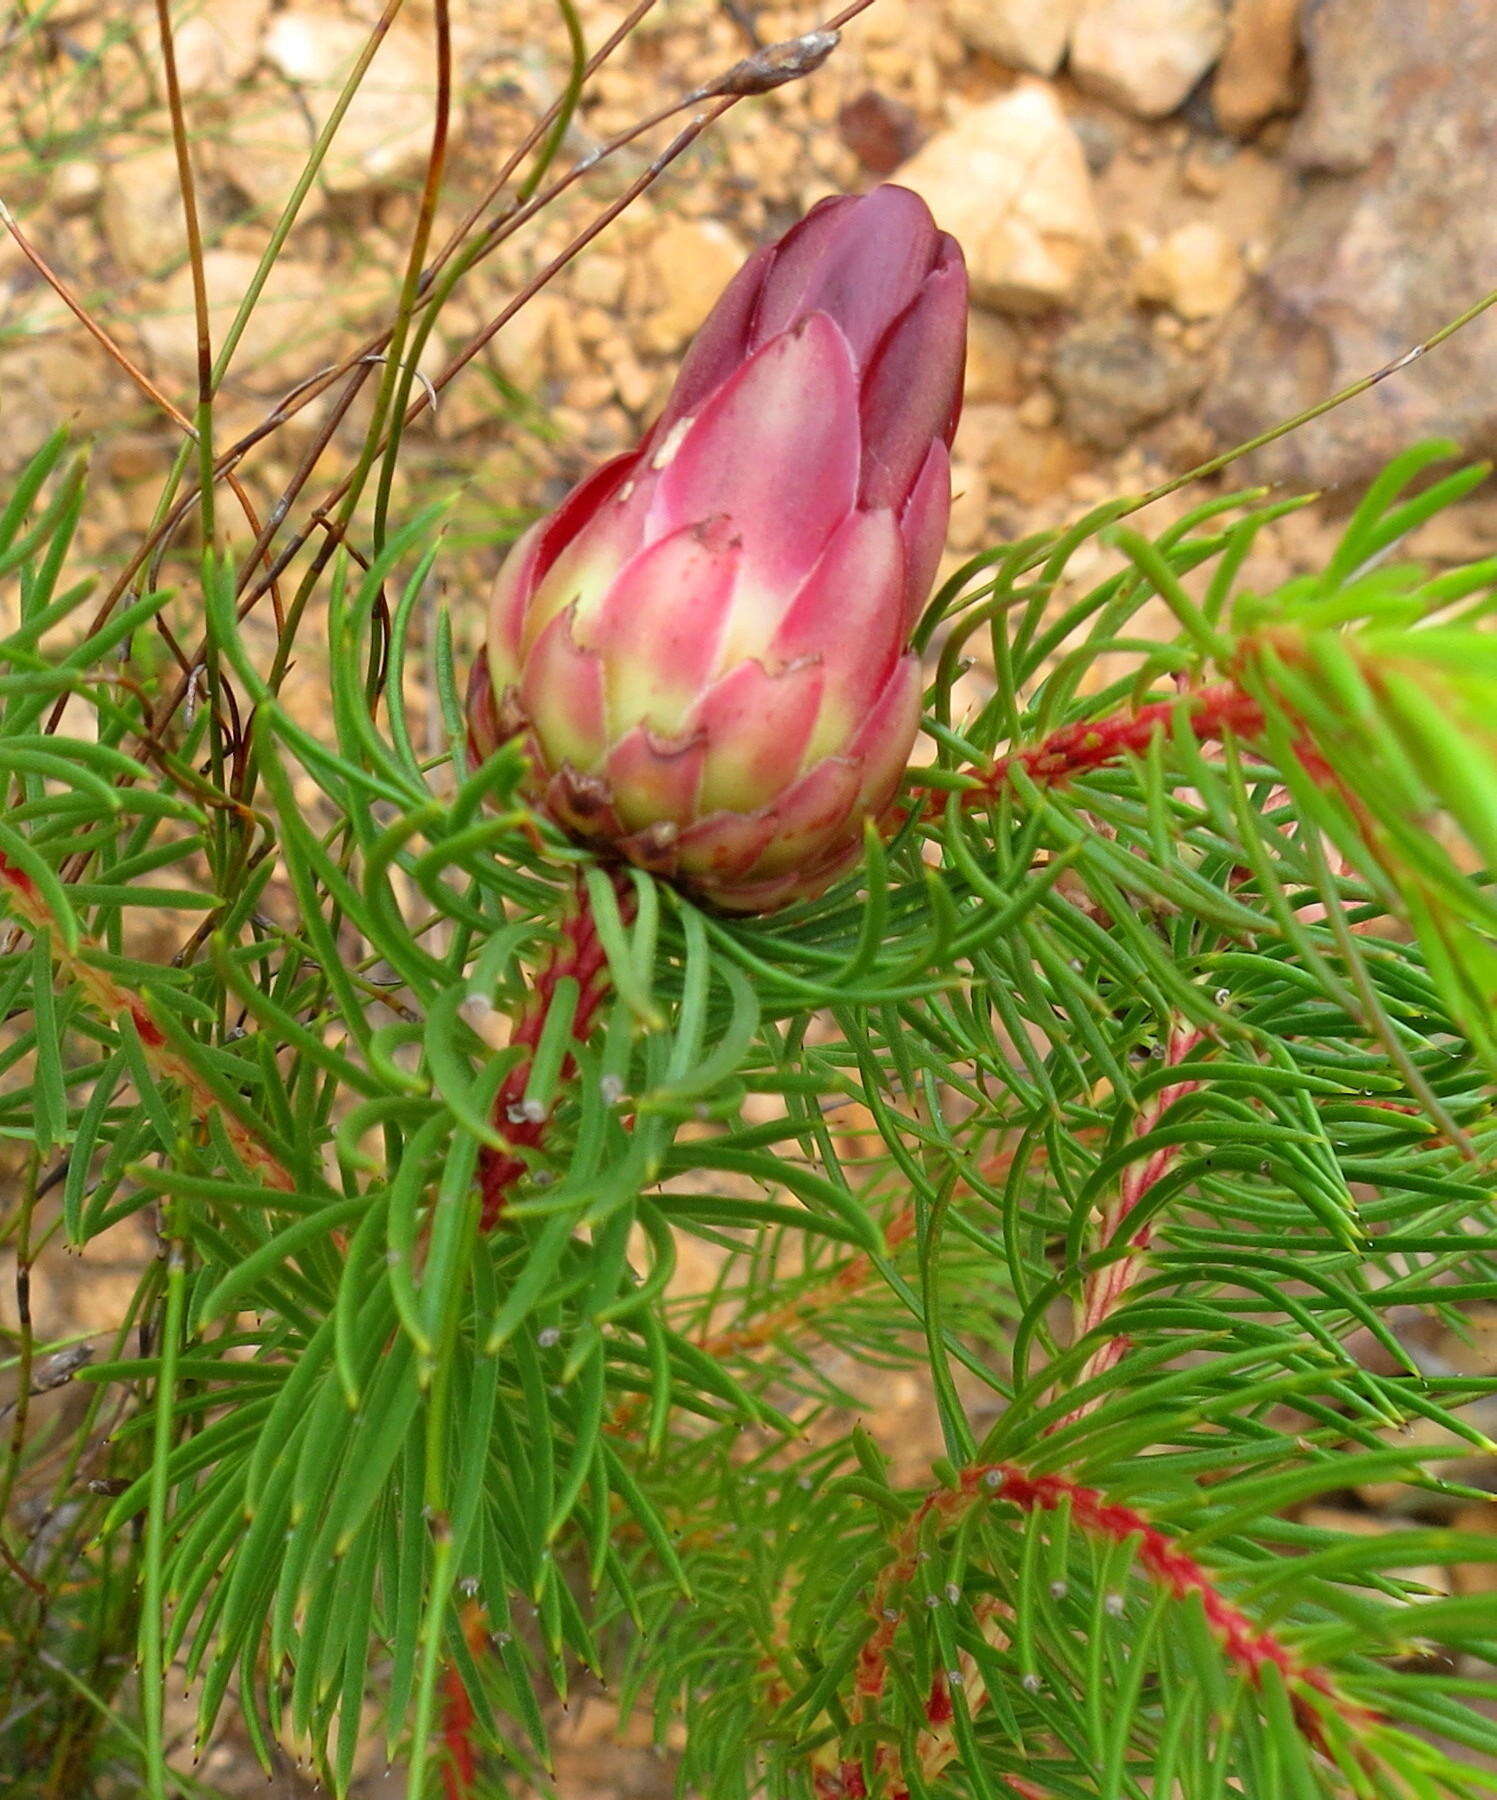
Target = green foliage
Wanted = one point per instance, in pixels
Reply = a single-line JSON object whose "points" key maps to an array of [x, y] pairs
{"points": [[1245, 978]]}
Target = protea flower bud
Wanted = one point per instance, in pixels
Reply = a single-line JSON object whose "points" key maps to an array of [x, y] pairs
{"points": [[705, 647]]}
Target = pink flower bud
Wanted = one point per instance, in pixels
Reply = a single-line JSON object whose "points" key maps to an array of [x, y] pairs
{"points": [[705, 647]]}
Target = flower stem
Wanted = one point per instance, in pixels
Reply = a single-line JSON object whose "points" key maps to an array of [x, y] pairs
{"points": [[1092, 743], [1108, 1287], [578, 953], [1251, 1647], [460, 1767]]}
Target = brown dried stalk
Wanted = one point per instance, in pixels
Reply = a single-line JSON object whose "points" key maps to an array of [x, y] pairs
{"points": [[117, 355]]}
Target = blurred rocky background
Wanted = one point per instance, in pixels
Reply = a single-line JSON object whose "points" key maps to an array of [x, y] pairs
{"points": [[1186, 220]]}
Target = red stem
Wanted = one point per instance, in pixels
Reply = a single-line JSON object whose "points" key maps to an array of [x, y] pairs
{"points": [[460, 1767], [1108, 1287], [1090, 744], [579, 954], [850, 1278], [1250, 1646], [460, 1771], [87, 967]]}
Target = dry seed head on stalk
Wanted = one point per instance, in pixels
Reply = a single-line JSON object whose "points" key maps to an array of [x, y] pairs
{"points": [[776, 64]]}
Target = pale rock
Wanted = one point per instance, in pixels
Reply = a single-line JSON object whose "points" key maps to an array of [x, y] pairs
{"points": [[566, 356], [1203, 171], [20, 285], [636, 386], [1031, 464], [1010, 182], [261, 143], [71, 16], [1025, 34], [1101, 139], [1372, 79], [1038, 410], [132, 456], [29, 418], [1145, 56], [993, 354], [218, 44], [75, 185], [598, 279], [524, 343], [813, 192], [472, 402], [690, 262], [594, 326], [970, 502], [433, 360], [60, 378], [289, 316], [128, 71], [889, 22], [1197, 272], [1259, 71], [385, 136], [590, 392], [103, 1299], [979, 430], [142, 209]]}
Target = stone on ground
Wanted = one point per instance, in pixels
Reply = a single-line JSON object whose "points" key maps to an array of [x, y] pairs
{"points": [[1010, 181]]}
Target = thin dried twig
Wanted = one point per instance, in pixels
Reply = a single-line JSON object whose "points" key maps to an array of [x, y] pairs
{"points": [[117, 355]]}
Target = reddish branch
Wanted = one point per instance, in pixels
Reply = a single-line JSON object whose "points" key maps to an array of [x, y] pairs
{"points": [[1211, 713], [522, 1123], [578, 953], [460, 1762], [846, 1280], [1106, 1290], [460, 1770], [113, 1001], [1252, 1648], [937, 1745]]}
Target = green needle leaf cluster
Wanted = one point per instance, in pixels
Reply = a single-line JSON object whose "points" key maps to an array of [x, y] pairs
{"points": [[1132, 1114]]}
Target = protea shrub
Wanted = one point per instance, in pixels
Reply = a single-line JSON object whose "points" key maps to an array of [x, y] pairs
{"points": [[705, 648]]}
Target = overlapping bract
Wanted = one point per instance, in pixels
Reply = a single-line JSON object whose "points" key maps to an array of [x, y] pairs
{"points": [[704, 648]]}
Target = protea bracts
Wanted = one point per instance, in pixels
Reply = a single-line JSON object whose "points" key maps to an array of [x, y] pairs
{"points": [[705, 647]]}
